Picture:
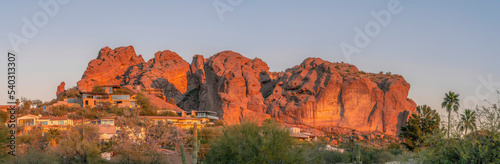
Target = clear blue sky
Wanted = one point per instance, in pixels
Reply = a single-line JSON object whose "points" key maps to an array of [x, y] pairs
{"points": [[436, 45]]}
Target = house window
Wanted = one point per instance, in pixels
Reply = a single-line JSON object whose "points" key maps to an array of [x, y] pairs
{"points": [[111, 122], [86, 102], [105, 122], [44, 122], [94, 102], [61, 122]]}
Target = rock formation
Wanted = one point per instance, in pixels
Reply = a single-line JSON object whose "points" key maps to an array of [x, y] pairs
{"points": [[328, 95], [230, 84], [60, 88], [316, 93], [109, 67], [121, 66]]}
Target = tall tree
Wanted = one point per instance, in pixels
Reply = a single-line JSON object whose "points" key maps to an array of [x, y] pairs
{"points": [[467, 121], [425, 122], [450, 102]]}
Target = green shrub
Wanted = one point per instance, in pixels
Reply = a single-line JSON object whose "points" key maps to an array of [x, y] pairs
{"points": [[249, 143], [4, 116], [475, 148], [35, 156], [172, 101], [70, 93], [143, 101], [336, 157], [168, 112], [123, 91], [98, 89]]}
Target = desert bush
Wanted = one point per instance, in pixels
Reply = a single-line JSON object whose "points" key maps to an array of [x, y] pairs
{"points": [[250, 143], [4, 116], [139, 140], [35, 156], [172, 101], [4, 134], [336, 157], [70, 93], [98, 89], [168, 112], [80, 145], [62, 110], [479, 146], [123, 91]]}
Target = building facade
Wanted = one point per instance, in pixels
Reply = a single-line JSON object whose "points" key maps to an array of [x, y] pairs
{"points": [[112, 94]]}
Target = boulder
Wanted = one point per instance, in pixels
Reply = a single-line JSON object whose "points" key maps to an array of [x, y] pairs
{"points": [[60, 88]]}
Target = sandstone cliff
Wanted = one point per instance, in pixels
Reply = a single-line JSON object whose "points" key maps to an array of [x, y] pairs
{"points": [[109, 67], [316, 93], [328, 95]]}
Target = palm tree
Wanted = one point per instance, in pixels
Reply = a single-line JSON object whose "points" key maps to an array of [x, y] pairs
{"points": [[467, 121], [451, 102]]}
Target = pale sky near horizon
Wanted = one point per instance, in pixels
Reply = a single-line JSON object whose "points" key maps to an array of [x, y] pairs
{"points": [[437, 46]]}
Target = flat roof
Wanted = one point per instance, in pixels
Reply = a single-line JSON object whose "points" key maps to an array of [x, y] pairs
{"points": [[298, 135], [94, 93], [109, 86], [201, 111], [170, 117]]}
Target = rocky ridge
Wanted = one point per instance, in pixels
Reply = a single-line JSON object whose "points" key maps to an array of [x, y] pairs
{"points": [[317, 93]]}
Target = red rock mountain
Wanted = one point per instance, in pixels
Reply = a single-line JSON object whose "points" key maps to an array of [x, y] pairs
{"points": [[316, 93]]}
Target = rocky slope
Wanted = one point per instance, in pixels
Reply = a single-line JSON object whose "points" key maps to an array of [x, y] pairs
{"points": [[316, 93]]}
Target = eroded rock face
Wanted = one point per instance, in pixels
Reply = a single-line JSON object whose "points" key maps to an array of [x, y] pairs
{"points": [[317, 93], [60, 88], [121, 66], [108, 68], [230, 84], [328, 95], [166, 71]]}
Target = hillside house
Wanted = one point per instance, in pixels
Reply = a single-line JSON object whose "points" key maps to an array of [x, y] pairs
{"points": [[46, 122], [211, 116], [298, 134], [182, 122], [113, 94]]}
